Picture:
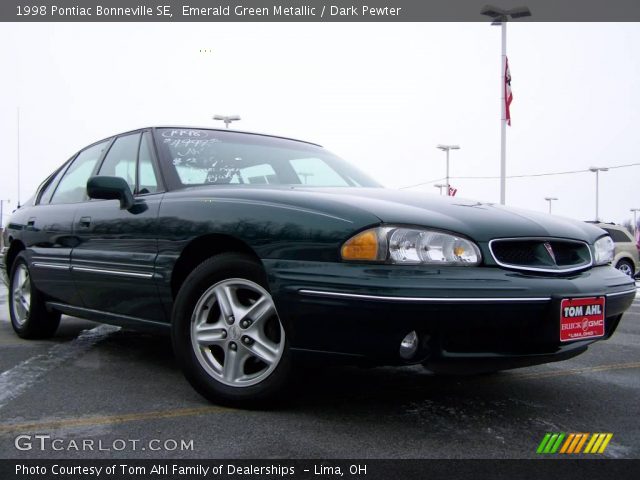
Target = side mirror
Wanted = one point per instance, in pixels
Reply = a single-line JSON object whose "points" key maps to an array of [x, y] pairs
{"points": [[111, 188]]}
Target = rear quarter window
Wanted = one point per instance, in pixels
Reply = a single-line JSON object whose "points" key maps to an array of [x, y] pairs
{"points": [[619, 236], [47, 192]]}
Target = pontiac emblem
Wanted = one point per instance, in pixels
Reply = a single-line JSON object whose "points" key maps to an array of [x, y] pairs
{"points": [[234, 332], [549, 249]]}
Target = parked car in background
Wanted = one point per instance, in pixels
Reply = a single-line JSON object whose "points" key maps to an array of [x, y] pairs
{"points": [[252, 251], [626, 257]]}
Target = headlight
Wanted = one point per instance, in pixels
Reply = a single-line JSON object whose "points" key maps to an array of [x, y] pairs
{"points": [[411, 246], [603, 249]]}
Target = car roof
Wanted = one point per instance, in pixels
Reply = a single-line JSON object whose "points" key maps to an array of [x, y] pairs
{"points": [[193, 127], [606, 225]]}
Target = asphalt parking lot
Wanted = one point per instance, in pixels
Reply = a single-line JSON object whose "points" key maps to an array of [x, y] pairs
{"points": [[115, 387]]}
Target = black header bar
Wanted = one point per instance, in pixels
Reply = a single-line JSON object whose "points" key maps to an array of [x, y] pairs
{"points": [[311, 10], [356, 469]]}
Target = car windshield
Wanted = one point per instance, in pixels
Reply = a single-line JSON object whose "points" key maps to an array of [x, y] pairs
{"points": [[213, 157]]}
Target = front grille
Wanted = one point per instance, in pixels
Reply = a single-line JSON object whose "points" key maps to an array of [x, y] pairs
{"points": [[541, 254]]}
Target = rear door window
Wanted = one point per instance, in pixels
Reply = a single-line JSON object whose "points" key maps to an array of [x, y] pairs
{"points": [[73, 186]]}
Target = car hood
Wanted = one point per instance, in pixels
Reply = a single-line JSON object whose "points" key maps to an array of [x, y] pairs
{"points": [[480, 221]]}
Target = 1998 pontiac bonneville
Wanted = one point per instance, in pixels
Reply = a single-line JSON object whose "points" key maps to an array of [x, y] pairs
{"points": [[252, 250]]}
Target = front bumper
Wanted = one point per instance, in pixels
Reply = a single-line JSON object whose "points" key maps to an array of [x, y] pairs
{"points": [[463, 316]]}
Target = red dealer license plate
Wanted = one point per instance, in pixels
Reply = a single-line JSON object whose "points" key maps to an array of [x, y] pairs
{"points": [[581, 318]]}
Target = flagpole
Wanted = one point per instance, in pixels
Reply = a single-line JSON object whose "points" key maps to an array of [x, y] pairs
{"points": [[18, 150], [500, 16], [503, 120]]}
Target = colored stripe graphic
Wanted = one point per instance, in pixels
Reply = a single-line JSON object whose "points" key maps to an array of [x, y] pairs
{"points": [[572, 443], [543, 443], [567, 442], [582, 441], [555, 447], [605, 443], [599, 443], [576, 439], [550, 443], [592, 441]]}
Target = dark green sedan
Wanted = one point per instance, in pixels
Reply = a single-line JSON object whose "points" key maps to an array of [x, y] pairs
{"points": [[253, 251]]}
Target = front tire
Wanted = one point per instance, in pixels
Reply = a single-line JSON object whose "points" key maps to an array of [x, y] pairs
{"points": [[27, 308], [227, 335]]}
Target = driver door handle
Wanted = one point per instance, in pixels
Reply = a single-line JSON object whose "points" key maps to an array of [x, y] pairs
{"points": [[85, 222]]}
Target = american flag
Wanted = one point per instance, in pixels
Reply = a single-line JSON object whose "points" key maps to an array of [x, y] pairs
{"points": [[508, 96]]}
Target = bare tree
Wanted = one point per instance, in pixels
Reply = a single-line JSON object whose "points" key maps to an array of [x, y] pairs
{"points": [[628, 224]]}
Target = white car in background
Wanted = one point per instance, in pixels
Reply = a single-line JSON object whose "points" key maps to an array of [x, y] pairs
{"points": [[626, 257]]}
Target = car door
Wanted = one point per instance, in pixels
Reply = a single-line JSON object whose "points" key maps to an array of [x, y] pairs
{"points": [[113, 263], [49, 231]]}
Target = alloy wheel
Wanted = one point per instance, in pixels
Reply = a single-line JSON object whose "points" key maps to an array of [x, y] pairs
{"points": [[21, 289], [236, 334], [625, 268]]}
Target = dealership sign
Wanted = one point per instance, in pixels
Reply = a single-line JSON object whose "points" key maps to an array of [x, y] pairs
{"points": [[581, 318]]}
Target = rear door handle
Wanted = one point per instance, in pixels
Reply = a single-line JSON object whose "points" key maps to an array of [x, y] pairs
{"points": [[85, 222], [31, 222]]}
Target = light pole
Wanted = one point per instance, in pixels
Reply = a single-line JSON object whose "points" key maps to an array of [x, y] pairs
{"points": [[227, 119], [500, 16], [550, 199], [446, 148], [440, 185], [597, 171], [635, 221], [305, 176]]}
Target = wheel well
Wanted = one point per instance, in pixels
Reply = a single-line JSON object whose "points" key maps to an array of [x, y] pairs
{"points": [[625, 258], [201, 248], [15, 248]]}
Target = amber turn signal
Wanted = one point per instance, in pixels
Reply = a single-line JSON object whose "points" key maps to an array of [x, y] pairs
{"points": [[363, 246]]}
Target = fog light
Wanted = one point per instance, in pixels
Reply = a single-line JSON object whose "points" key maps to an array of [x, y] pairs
{"points": [[409, 345]]}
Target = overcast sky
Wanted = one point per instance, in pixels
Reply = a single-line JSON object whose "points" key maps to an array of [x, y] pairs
{"points": [[380, 95]]}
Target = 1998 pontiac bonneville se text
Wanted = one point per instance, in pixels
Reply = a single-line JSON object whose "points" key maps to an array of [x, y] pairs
{"points": [[253, 250]]}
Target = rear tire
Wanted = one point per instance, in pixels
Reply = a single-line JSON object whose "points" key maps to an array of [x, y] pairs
{"points": [[227, 335], [27, 308], [626, 267]]}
